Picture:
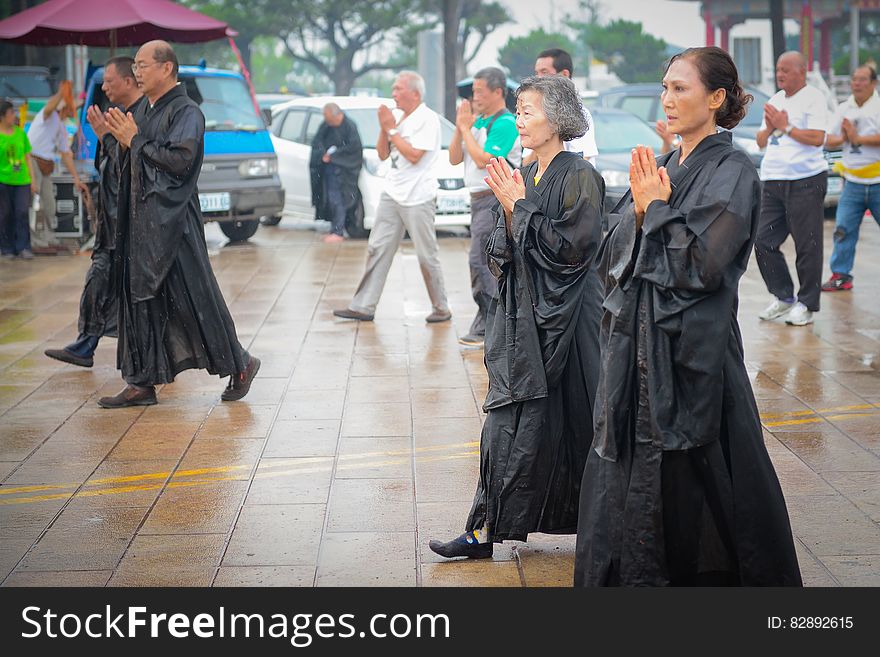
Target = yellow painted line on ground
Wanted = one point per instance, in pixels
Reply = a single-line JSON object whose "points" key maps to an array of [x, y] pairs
{"points": [[859, 407], [815, 420], [267, 469]]}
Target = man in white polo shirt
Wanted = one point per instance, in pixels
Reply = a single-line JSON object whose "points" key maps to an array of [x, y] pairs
{"points": [[407, 203], [855, 127], [795, 177], [48, 136]]}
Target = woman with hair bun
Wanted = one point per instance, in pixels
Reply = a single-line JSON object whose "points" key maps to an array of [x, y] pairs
{"points": [[678, 488]]}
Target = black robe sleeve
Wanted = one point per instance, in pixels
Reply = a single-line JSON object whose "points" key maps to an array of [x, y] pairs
{"points": [[165, 173], [350, 154], [692, 249]]}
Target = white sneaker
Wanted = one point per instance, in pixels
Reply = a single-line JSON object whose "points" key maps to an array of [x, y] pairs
{"points": [[799, 315], [776, 309]]}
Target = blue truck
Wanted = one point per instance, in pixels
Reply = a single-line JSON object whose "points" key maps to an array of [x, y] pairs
{"points": [[239, 180]]}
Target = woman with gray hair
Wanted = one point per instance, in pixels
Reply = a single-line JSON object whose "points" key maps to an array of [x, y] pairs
{"points": [[542, 349]]}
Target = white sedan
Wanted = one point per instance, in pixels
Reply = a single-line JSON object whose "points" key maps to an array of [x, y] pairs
{"points": [[294, 126]]}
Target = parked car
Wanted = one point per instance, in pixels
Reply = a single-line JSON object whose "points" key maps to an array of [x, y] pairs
{"points": [[617, 133], [643, 100], [294, 126], [239, 180], [268, 101]]}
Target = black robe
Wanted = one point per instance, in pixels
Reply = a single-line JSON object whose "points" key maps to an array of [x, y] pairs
{"points": [[679, 488], [98, 304], [172, 314], [348, 159], [542, 354]]}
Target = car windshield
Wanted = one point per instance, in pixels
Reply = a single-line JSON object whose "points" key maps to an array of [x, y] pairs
{"points": [[619, 133], [34, 85], [225, 102], [367, 122]]}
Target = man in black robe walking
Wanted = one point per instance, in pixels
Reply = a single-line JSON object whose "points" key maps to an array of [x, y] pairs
{"points": [[172, 314], [336, 160], [98, 307]]}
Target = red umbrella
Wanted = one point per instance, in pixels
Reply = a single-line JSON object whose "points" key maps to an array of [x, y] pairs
{"points": [[110, 24]]}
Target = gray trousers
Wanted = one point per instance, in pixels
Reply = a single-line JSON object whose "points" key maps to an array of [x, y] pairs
{"points": [[42, 232], [484, 286], [392, 220]]}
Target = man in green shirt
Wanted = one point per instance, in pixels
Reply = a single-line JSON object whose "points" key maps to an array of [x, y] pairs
{"points": [[491, 132]]}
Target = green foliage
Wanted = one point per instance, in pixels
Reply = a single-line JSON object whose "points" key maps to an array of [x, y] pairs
{"points": [[631, 53], [519, 53]]}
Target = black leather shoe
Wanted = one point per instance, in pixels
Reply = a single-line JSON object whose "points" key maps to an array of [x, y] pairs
{"points": [[240, 384], [69, 357], [465, 545], [348, 313], [130, 396]]}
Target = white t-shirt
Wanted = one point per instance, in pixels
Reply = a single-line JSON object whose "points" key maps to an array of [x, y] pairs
{"points": [[585, 145], [414, 184], [47, 136], [866, 120], [784, 157]]}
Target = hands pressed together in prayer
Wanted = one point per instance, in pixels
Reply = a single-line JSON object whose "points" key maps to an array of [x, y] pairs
{"points": [[849, 132], [96, 119], [121, 126], [464, 117], [386, 118], [647, 182], [775, 118], [507, 185]]}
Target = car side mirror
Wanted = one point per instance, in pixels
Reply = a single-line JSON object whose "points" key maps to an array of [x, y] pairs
{"points": [[267, 116]]}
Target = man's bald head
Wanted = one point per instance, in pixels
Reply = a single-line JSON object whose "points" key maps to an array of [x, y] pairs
{"points": [[160, 51], [795, 58], [791, 72], [157, 68], [333, 115]]}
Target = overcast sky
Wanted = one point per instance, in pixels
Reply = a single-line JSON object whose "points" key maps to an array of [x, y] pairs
{"points": [[677, 22]]}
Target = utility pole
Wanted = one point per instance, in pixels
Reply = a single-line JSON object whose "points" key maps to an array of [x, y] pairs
{"points": [[451, 18], [777, 15]]}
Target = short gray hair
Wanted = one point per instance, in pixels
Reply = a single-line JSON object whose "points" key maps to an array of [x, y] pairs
{"points": [[415, 81], [333, 108], [561, 104], [494, 77]]}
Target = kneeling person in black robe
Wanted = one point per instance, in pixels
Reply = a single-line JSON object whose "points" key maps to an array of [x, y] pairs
{"points": [[542, 350], [97, 306], [335, 164], [172, 314], [679, 488]]}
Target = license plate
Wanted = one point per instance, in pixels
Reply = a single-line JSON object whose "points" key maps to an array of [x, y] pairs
{"points": [[835, 185], [453, 205], [214, 202]]}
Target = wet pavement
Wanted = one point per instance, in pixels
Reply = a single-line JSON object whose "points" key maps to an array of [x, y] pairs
{"points": [[359, 442]]}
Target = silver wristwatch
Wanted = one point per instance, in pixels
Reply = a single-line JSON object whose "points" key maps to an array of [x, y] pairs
{"points": [[393, 132]]}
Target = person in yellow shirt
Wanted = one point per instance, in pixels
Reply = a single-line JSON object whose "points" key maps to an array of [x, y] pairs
{"points": [[855, 127]]}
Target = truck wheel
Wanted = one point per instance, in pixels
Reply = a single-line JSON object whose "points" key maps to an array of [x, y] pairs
{"points": [[271, 220], [354, 223], [239, 231]]}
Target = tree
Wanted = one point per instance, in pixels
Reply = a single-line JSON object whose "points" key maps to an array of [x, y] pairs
{"points": [[462, 20], [519, 53], [251, 19], [358, 33], [631, 53], [480, 19]]}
